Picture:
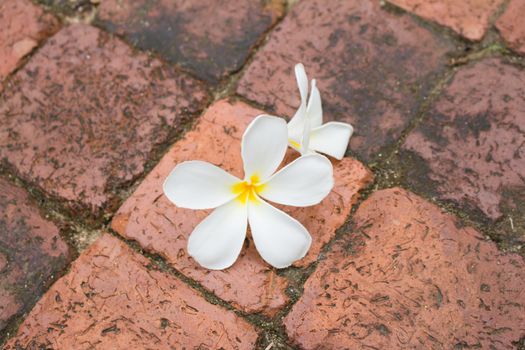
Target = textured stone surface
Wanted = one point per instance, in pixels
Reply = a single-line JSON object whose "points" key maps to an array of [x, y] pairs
{"points": [[86, 113], [210, 38], [149, 218], [371, 67], [512, 26], [22, 26], [31, 252], [408, 277], [471, 150], [113, 299], [469, 18]]}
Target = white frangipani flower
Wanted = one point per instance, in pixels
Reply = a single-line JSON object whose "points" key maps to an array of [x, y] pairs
{"points": [[217, 241], [306, 132]]}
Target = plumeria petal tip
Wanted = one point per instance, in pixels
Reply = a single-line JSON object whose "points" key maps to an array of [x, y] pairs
{"points": [[217, 241]]}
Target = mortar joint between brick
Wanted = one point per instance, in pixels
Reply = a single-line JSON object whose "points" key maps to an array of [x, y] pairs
{"points": [[306, 272], [498, 12], [78, 17], [227, 87]]}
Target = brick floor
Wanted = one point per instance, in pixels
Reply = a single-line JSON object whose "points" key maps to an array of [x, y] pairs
{"points": [[469, 18], [22, 27], [31, 252], [409, 276], [148, 217], [113, 299], [84, 115], [209, 38], [89, 103], [471, 148], [371, 67], [512, 26]]}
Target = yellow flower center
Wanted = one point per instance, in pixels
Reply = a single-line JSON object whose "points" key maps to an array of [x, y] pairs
{"points": [[247, 190], [294, 144]]}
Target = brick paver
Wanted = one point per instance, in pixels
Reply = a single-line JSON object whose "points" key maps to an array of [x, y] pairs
{"points": [[469, 18], [84, 115], [210, 38], [22, 27], [31, 252], [113, 299], [512, 26], [409, 276], [471, 149], [370, 65], [149, 218]]}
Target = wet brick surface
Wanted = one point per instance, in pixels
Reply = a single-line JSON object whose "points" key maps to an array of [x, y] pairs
{"points": [[471, 150], [113, 299], [469, 18], [22, 27], [96, 93], [31, 252], [408, 276], [209, 38], [85, 114], [512, 26]]}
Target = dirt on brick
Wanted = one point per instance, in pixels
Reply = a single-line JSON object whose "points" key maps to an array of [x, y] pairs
{"points": [[23, 26], [111, 298], [433, 89], [512, 26], [406, 276], [32, 253], [469, 18], [84, 116], [210, 49], [471, 146]]}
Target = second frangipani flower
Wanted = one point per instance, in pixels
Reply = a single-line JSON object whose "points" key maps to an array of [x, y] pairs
{"points": [[280, 239], [306, 132]]}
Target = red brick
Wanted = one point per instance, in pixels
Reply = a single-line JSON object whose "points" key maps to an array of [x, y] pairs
{"points": [[410, 277], [209, 38], [149, 218], [84, 115], [22, 27], [31, 252], [113, 299], [469, 18], [372, 67], [512, 26], [470, 149]]}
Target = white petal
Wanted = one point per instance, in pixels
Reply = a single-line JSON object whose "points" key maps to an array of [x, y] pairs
{"points": [[279, 238], [302, 81], [295, 126], [331, 138], [314, 111], [305, 140], [199, 185], [295, 133], [263, 146], [217, 241], [303, 182]]}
